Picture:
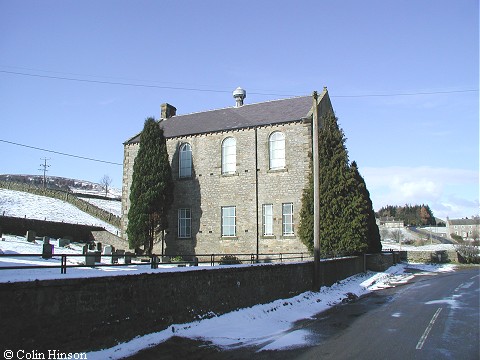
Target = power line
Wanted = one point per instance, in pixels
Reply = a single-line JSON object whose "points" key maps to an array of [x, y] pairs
{"points": [[60, 153], [225, 91], [408, 94]]}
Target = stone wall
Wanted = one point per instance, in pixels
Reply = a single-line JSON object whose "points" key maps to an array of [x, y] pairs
{"points": [[252, 185], [71, 198], [20, 226], [432, 256], [75, 315]]}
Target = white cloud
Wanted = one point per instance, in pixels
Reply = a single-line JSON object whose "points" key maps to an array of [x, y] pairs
{"points": [[449, 192]]}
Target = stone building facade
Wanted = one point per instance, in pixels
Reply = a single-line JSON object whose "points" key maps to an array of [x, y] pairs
{"points": [[468, 229], [239, 176]]}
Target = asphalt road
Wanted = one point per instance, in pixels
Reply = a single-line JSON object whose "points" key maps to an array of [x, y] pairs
{"points": [[433, 317]]}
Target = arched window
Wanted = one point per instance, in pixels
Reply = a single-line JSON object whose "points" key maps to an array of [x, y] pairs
{"points": [[276, 144], [229, 156], [185, 161]]}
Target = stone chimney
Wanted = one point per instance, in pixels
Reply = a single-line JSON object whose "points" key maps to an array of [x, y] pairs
{"points": [[167, 111], [239, 94]]}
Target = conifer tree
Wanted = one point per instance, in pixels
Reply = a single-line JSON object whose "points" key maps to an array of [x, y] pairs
{"points": [[345, 208], [305, 229], [151, 192], [373, 239]]}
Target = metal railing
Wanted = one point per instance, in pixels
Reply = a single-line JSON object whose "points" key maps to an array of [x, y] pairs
{"points": [[94, 259]]}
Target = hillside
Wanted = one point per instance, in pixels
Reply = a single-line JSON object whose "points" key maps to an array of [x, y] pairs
{"points": [[65, 184], [21, 204]]}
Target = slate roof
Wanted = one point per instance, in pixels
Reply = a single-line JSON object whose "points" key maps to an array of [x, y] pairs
{"points": [[246, 116], [464, 221]]}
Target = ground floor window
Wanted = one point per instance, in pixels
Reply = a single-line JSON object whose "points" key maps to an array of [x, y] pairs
{"points": [[267, 219], [287, 219], [229, 221], [184, 223]]}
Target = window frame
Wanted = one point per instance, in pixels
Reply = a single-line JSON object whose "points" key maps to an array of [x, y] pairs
{"points": [[266, 223], [229, 159], [276, 151], [184, 156], [187, 223], [287, 220], [225, 226]]}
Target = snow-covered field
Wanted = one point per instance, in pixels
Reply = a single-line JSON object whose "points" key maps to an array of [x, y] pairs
{"points": [[112, 206], [22, 204], [431, 247]]}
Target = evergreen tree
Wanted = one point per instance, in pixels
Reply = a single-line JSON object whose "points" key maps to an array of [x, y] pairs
{"points": [[343, 219], [414, 215], [305, 228], [373, 239], [151, 192]]}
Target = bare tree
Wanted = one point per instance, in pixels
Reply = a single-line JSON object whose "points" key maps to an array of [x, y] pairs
{"points": [[384, 233], [105, 183], [397, 235]]}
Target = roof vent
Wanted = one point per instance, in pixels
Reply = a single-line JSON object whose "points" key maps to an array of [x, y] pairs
{"points": [[239, 94]]}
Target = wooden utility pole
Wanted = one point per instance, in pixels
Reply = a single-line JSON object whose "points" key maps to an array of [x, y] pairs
{"points": [[316, 198]]}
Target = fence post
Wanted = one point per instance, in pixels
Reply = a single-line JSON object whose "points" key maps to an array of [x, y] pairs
{"points": [[281, 257], [252, 259], [63, 268], [154, 264], [212, 260]]}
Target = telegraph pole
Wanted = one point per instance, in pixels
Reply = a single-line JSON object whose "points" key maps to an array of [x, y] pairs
{"points": [[44, 167], [316, 198]]}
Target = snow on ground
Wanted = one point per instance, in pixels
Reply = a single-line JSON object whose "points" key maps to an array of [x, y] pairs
{"points": [[430, 247], [112, 206], [12, 245], [267, 326], [270, 326], [22, 204]]}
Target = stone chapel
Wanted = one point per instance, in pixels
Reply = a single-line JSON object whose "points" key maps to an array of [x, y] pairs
{"points": [[239, 175]]}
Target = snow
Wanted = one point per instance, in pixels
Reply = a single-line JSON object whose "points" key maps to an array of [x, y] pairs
{"points": [[112, 206], [430, 247], [12, 245], [22, 204], [270, 326], [267, 326]]}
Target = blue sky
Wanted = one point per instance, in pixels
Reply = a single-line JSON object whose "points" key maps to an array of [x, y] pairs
{"points": [[403, 77]]}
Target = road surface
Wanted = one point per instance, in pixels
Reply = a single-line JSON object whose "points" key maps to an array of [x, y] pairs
{"points": [[433, 317]]}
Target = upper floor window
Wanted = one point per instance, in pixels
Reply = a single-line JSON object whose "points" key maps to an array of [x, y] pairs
{"points": [[185, 161], [276, 144], [229, 156]]}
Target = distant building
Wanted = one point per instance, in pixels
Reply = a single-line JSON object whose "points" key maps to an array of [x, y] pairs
{"points": [[468, 229], [239, 175], [390, 222]]}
